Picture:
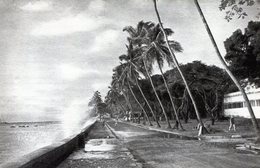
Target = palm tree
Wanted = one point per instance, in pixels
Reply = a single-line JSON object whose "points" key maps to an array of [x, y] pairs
{"points": [[127, 99], [158, 51], [171, 98], [249, 107], [178, 68], [123, 70], [137, 37], [113, 95], [116, 87], [134, 71], [116, 95], [148, 72]]}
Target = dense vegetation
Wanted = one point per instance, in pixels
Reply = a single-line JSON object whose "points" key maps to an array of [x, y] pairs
{"points": [[243, 52], [208, 83]]}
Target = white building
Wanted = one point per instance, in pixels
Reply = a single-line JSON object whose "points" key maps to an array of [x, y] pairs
{"points": [[234, 103]]}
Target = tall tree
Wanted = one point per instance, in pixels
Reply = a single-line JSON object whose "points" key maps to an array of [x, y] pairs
{"points": [[97, 104], [116, 87], [124, 71], [114, 95], [159, 52], [153, 40], [179, 70], [243, 53], [138, 37], [135, 74], [251, 112]]}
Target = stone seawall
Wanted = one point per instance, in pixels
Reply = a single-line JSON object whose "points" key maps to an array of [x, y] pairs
{"points": [[50, 156]]}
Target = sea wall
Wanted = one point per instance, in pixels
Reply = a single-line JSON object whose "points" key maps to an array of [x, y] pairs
{"points": [[50, 156]]}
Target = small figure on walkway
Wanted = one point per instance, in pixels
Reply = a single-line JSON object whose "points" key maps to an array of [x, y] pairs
{"points": [[212, 121], [103, 123], [198, 126], [232, 123], [116, 121], [176, 126]]}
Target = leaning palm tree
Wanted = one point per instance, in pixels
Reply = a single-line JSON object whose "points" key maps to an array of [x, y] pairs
{"points": [[146, 63], [137, 37], [123, 71], [135, 74], [113, 95], [178, 68], [249, 107], [127, 99], [154, 42], [115, 86]]}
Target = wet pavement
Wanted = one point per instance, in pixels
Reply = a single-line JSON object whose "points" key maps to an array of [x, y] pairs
{"points": [[102, 149], [123, 145]]}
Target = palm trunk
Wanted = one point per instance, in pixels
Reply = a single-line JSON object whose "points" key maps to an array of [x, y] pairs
{"points": [[178, 68], [127, 101], [167, 120], [145, 113], [148, 104], [122, 107], [249, 107], [169, 93]]}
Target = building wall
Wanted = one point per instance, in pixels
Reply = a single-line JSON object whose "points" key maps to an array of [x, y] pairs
{"points": [[234, 104]]}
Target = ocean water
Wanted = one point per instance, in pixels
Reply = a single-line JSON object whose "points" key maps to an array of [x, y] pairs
{"points": [[18, 139]]}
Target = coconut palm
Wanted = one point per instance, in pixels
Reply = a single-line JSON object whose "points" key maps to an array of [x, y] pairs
{"points": [[112, 95], [147, 65], [178, 68], [120, 89], [154, 42], [115, 95], [134, 71], [249, 107], [117, 87], [127, 99], [126, 78], [138, 37]]}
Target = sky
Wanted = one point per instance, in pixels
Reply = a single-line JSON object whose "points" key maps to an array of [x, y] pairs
{"points": [[55, 53]]}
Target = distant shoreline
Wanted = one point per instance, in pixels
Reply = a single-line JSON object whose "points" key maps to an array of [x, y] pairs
{"points": [[30, 122]]}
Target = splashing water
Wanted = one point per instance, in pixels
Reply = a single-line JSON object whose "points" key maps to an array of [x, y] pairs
{"points": [[77, 116]]}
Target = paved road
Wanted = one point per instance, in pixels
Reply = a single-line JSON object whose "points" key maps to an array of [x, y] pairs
{"points": [[139, 147], [102, 150]]}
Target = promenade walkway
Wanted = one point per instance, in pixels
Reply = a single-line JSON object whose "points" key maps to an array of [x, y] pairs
{"points": [[102, 149], [124, 145]]}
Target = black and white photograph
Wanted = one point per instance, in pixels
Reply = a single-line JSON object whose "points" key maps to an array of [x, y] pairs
{"points": [[129, 83]]}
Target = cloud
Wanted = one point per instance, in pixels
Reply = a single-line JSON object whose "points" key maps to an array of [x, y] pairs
{"points": [[96, 7], [37, 6], [99, 86], [71, 72], [67, 25], [105, 40]]}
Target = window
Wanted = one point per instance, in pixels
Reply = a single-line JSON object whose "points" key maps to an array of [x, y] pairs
{"points": [[233, 105], [252, 102], [229, 105], [225, 106], [257, 102], [240, 105]]}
